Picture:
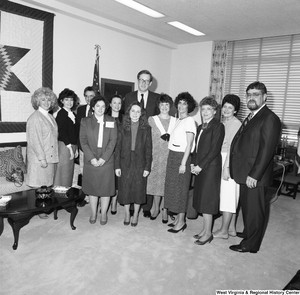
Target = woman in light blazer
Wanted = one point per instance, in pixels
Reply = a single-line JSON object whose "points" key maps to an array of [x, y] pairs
{"points": [[98, 138], [42, 144]]}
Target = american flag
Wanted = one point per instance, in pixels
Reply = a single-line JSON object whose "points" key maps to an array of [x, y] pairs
{"points": [[96, 85]]}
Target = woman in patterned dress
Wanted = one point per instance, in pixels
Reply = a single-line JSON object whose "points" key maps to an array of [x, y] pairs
{"points": [[162, 125]]}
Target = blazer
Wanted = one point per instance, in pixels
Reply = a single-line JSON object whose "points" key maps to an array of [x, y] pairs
{"points": [[210, 145], [41, 136], [89, 131], [253, 147], [143, 148], [151, 107], [67, 130], [80, 112]]}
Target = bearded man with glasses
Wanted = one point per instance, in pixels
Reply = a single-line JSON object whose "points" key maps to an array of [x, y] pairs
{"points": [[251, 165]]}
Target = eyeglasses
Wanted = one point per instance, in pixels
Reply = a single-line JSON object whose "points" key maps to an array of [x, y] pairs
{"points": [[147, 82], [254, 95]]}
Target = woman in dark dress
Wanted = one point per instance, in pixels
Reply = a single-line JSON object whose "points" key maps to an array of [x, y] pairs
{"points": [[207, 166], [114, 110], [98, 138], [68, 131], [133, 157]]}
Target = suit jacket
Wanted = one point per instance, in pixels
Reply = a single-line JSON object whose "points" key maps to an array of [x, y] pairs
{"points": [[143, 148], [67, 130], [151, 107], [42, 136], [210, 144], [89, 131], [81, 111], [253, 147]]}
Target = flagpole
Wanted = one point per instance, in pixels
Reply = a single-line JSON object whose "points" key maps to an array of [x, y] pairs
{"points": [[96, 77]]}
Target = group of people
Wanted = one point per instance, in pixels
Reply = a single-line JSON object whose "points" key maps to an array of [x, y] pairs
{"points": [[137, 154]]}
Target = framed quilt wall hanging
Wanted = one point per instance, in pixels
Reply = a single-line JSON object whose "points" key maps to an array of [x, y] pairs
{"points": [[26, 63]]}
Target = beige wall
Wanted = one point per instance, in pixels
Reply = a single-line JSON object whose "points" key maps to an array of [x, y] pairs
{"points": [[124, 52]]}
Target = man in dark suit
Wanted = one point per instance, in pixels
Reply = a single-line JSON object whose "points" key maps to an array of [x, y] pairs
{"points": [[251, 164], [143, 95], [82, 112], [148, 100]]}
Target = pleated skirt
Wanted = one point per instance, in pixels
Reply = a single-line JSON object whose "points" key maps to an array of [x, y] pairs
{"points": [[65, 167], [177, 185]]}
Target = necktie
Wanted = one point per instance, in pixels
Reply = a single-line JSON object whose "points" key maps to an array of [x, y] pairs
{"points": [[246, 121], [142, 101], [204, 126], [90, 112]]}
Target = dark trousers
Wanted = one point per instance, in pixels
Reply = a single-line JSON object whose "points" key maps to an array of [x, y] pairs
{"points": [[148, 205], [253, 204]]}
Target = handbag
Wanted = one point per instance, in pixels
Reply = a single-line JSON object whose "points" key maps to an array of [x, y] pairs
{"points": [[16, 176]]}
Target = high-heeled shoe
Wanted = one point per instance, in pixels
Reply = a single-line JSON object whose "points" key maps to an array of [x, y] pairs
{"points": [[164, 221], [113, 212], [134, 223], [198, 242], [103, 222], [174, 231], [197, 237], [171, 224], [92, 221], [126, 222], [153, 218]]}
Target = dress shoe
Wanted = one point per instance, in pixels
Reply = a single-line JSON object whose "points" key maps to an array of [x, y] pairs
{"points": [[240, 235], [147, 214], [153, 218], [82, 203], [174, 231], [240, 249], [103, 222], [43, 216], [218, 235], [113, 212], [197, 237], [164, 221], [92, 221], [198, 242]]}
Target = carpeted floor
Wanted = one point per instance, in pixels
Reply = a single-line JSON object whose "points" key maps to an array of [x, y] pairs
{"points": [[117, 259]]}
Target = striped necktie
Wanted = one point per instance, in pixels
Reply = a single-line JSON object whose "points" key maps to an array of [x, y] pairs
{"points": [[142, 101]]}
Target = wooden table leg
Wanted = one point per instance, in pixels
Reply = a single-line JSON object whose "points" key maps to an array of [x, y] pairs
{"points": [[16, 225]]}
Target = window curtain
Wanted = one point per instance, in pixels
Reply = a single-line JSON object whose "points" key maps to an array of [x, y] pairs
{"points": [[275, 61], [218, 70]]}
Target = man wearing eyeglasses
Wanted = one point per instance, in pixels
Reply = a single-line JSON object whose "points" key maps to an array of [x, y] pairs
{"points": [[147, 99], [82, 112], [251, 165], [143, 95]]}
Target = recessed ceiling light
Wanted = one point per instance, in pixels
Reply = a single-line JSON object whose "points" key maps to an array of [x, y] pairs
{"points": [[141, 8], [185, 28]]}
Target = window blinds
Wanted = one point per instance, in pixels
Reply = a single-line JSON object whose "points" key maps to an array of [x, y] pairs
{"points": [[275, 61]]}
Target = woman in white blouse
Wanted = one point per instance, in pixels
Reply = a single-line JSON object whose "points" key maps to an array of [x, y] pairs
{"points": [[178, 173]]}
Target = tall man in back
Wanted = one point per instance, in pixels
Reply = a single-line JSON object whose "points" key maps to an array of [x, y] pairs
{"points": [[148, 100], [251, 164]]}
